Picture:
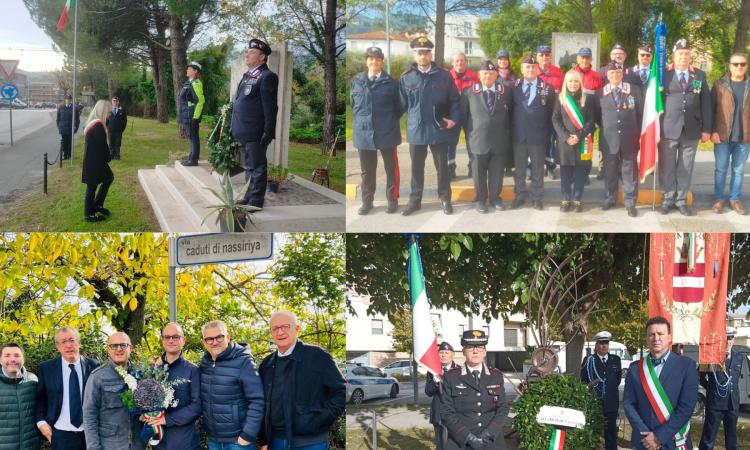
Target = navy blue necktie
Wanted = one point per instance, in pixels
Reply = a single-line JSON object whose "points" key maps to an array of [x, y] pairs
{"points": [[683, 81], [617, 96], [644, 75], [74, 397], [527, 91], [489, 97]]}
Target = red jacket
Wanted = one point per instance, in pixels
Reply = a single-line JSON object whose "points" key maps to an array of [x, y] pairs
{"points": [[592, 81], [552, 76], [464, 80]]}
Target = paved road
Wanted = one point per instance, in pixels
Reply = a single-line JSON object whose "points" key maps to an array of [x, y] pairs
{"points": [[25, 122], [21, 165], [466, 219]]}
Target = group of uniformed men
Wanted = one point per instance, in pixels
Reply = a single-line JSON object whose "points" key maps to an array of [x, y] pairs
{"points": [[469, 405], [529, 122]]}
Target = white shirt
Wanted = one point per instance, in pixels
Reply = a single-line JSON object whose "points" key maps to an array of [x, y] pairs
{"points": [[376, 75], [63, 422], [288, 351], [491, 88], [472, 369], [532, 89]]}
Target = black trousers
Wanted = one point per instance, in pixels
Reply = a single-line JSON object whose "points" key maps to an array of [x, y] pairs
{"points": [[610, 428], [195, 143], [521, 154], [65, 143], [440, 436], [711, 424], [621, 168], [487, 172], [368, 161], [256, 169], [572, 181], [67, 440], [94, 199], [115, 140], [418, 155]]}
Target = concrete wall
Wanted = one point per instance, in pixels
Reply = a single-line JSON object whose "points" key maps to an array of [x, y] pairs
{"points": [[280, 62]]}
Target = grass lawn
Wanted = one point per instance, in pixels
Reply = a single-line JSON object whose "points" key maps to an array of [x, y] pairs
{"points": [[416, 438], [146, 143]]}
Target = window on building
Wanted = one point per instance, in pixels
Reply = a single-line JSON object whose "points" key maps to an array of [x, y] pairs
{"points": [[511, 337], [467, 48], [377, 327], [467, 28]]}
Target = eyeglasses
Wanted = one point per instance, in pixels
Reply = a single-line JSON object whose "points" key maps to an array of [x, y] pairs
{"points": [[285, 328], [739, 64], [645, 54], [67, 341], [171, 337], [122, 346], [218, 339]]}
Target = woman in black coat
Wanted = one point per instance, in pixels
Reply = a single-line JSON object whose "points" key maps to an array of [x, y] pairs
{"points": [[574, 119], [96, 172]]}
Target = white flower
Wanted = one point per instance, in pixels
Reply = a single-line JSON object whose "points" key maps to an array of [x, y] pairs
{"points": [[131, 382]]}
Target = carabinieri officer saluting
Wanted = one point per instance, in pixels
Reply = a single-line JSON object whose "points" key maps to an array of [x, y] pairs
{"points": [[254, 118], [472, 405]]}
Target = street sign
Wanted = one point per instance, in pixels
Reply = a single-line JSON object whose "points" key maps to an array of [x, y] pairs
{"points": [[8, 68], [222, 248], [9, 91]]}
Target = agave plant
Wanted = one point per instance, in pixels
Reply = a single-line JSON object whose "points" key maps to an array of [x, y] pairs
{"points": [[229, 206]]}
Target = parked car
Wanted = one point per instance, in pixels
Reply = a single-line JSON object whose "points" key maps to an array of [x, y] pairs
{"points": [[367, 382], [402, 368]]}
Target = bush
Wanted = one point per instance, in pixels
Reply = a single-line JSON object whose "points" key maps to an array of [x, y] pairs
{"points": [[563, 391]]}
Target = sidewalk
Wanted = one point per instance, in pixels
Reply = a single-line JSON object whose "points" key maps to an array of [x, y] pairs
{"points": [[465, 218]]}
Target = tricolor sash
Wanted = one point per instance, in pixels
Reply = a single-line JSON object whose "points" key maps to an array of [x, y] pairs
{"points": [[558, 439], [659, 400], [574, 114]]}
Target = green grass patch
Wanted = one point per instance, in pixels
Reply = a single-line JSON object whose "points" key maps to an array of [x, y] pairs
{"points": [[145, 144]]}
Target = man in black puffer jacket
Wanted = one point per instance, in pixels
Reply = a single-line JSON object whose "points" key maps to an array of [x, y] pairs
{"points": [[305, 391], [231, 391]]}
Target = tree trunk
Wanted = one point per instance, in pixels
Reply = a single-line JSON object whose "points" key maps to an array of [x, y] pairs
{"points": [[573, 352], [135, 321], [178, 51], [111, 87], [439, 32], [740, 38], [329, 68], [588, 17], [159, 58]]}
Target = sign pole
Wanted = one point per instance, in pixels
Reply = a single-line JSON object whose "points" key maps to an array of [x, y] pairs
{"points": [[10, 113], [172, 283]]}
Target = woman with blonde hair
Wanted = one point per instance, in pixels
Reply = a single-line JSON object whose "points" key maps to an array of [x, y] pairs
{"points": [[96, 171], [574, 119]]}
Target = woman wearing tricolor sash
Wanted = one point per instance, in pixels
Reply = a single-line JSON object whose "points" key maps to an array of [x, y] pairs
{"points": [[660, 393], [574, 119]]}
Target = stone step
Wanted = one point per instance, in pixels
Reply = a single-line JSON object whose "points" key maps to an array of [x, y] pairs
{"points": [[171, 215], [186, 192]]}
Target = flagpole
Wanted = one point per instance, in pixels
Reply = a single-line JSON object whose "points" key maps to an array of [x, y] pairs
{"points": [[74, 109], [414, 372]]}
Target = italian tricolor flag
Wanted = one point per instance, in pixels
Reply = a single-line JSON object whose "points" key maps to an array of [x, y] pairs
{"points": [[650, 129], [425, 344], [557, 442], [69, 4]]}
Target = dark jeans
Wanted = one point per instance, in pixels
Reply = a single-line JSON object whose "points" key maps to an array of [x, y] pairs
{"points": [[283, 444], [195, 143], [256, 169], [572, 181], [94, 199], [67, 440], [440, 158], [368, 161], [65, 143], [115, 140], [737, 152], [711, 425]]}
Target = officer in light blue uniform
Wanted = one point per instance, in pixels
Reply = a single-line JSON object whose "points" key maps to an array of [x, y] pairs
{"points": [[722, 399]]}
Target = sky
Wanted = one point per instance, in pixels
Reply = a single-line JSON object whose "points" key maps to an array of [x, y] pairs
{"points": [[22, 39]]}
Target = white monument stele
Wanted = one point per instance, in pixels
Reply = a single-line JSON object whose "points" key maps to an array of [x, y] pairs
{"points": [[561, 417], [280, 62]]}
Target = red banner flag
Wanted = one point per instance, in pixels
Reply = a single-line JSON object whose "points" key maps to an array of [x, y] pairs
{"points": [[688, 286]]}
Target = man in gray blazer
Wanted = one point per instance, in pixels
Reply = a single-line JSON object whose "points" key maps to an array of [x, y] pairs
{"points": [[486, 109], [621, 109], [687, 118]]}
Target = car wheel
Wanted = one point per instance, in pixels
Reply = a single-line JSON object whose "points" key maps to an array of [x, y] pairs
{"points": [[358, 396], [394, 390]]}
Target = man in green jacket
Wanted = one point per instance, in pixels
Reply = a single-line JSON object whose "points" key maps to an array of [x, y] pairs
{"points": [[17, 401]]}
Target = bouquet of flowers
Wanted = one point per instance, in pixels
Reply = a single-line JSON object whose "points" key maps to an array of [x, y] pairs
{"points": [[149, 395]]}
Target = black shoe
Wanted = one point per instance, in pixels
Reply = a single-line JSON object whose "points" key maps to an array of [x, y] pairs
{"points": [[632, 212], [685, 210], [364, 209], [96, 217], [600, 175], [607, 205], [410, 208], [104, 211], [517, 203], [189, 163], [565, 206], [537, 204], [447, 207], [664, 209], [392, 207], [577, 207], [482, 208], [508, 172]]}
